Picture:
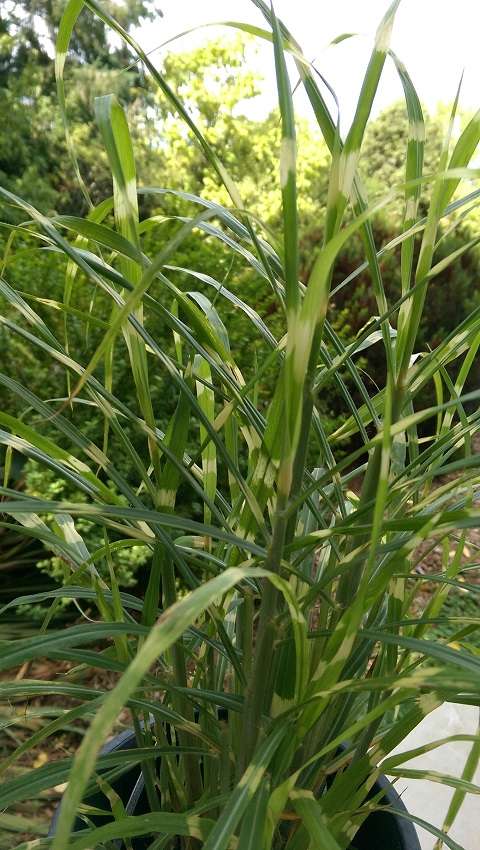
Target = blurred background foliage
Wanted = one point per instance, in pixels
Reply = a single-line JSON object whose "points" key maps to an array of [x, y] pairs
{"points": [[215, 82]]}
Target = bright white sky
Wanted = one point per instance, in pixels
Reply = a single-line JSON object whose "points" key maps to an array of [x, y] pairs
{"points": [[436, 39]]}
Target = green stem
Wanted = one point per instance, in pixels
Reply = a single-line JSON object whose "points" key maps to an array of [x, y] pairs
{"points": [[301, 454], [350, 580], [148, 767], [193, 776], [348, 584], [258, 695]]}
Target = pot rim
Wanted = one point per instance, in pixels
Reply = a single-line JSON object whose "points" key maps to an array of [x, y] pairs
{"points": [[406, 829]]}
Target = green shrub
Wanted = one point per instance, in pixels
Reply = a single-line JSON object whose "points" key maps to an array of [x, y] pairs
{"points": [[452, 295], [41, 483]]}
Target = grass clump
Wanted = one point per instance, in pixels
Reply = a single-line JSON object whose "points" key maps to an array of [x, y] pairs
{"points": [[278, 594]]}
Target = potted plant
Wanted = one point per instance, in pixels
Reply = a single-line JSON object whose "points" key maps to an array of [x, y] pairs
{"points": [[277, 660]]}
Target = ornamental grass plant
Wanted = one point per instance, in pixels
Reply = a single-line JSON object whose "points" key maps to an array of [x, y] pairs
{"points": [[276, 660]]}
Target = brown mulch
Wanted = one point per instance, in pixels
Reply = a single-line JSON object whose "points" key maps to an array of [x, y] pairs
{"points": [[56, 747], [431, 562], [430, 558]]}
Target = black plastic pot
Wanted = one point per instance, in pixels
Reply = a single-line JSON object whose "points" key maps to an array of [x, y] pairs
{"points": [[382, 830]]}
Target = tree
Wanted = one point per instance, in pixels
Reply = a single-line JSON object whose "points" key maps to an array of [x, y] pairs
{"points": [[383, 153], [33, 158]]}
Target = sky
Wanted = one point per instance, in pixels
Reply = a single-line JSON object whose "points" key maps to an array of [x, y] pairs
{"points": [[436, 40]]}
